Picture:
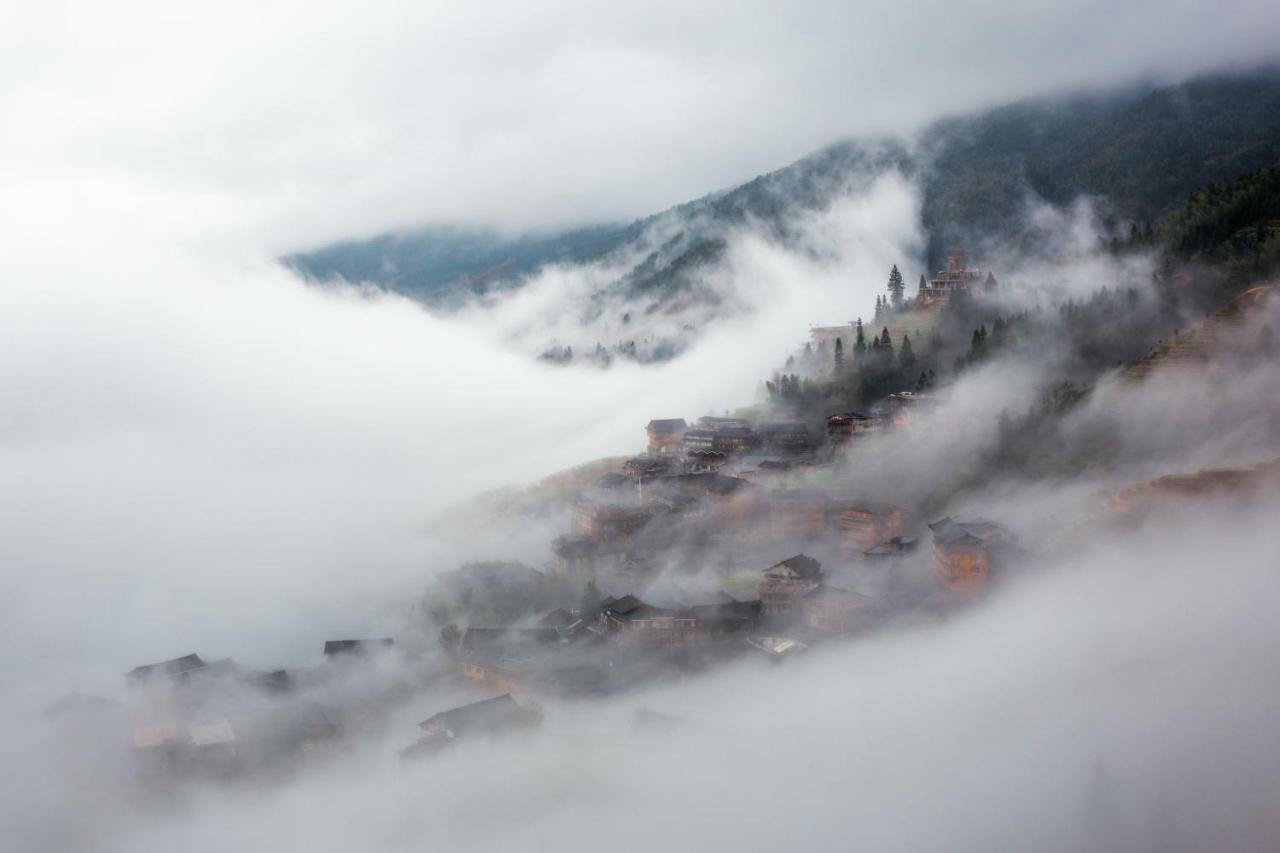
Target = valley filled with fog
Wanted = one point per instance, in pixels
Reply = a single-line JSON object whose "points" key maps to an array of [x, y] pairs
{"points": [[205, 451]]}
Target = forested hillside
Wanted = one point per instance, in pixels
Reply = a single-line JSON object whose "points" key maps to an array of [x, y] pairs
{"points": [[1139, 154]]}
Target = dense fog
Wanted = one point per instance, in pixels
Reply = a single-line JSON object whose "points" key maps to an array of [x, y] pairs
{"points": [[203, 453]]}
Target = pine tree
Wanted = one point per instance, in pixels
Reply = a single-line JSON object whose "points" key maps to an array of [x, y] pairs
{"points": [[885, 340], [906, 357], [590, 599], [859, 340], [896, 286], [839, 357], [922, 284], [879, 306]]}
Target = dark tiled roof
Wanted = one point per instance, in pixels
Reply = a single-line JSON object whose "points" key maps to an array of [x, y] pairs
{"points": [[613, 481], [622, 606], [835, 595], [475, 638], [170, 668], [666, 425], [948, 531], [804, 566], [487, 715], [349, 647]]}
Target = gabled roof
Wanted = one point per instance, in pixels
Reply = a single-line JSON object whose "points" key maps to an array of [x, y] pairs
{"points": [[169, 669], [487, 715], [802, 566], [834, 595], [896, 545], [661, 425], [621, 606], [474, 638], [355, 647], [558, 618], [978, 531]]}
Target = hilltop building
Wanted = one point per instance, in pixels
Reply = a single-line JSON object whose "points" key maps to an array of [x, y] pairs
{"points": [[957, 277]]}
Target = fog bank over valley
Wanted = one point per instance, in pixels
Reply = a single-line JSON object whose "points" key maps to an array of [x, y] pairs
{"points": [[915, 495]]}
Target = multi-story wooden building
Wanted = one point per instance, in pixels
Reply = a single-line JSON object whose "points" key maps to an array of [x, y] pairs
{"points": [[609, 522], [957, 277], [844, 427], [783, 437], [666, 435], [963, 552], [797, 513], [863, 524], [787, 582]]}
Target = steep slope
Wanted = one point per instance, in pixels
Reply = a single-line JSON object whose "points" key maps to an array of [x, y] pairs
{"points": [[1139, 153], [1173, 490], [1142, 152], [1239, 331]]}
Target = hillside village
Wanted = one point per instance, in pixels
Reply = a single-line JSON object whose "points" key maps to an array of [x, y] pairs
{"points": [[718, 493], [721, 541]]}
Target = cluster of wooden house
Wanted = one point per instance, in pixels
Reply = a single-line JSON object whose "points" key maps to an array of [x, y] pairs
{"points": [[195, 717], [624, 522]]}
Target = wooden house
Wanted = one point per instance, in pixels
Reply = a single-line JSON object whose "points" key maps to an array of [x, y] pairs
{"points": [[787, 582], [643, 468], [797, 513], [963, 551], [863, 524], [630, 618], [783, 437], [666, 435], [486, 718], [844, 427], [609, 522]]}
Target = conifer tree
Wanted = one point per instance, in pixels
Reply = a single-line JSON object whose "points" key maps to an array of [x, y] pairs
{"points": [[896, 286], [839, 361], [590, 599], [922, 285], [859, 340], [885, 340], [906, 357]]}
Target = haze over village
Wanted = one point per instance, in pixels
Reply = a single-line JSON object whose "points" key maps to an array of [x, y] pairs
{"points": [[546, 426]]}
